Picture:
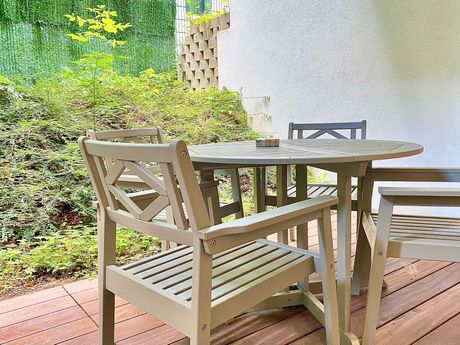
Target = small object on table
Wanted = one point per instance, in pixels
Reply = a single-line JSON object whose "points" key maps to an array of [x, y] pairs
{"points": [[267, 142]]}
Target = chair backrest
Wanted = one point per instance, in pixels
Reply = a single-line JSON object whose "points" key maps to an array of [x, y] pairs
{"points": [[332, 129], [107, 161], [152, 135]]}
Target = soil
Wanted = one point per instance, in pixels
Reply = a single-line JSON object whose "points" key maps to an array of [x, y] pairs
{"points": [[66, 215], [245, 182], [68, 218]]}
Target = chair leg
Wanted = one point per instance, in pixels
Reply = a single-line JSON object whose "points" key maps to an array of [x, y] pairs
{"points": [[301, 234], [281, 198], [331, 314], [362, 263], [201, 338], [210, 196], [201, 295], [292, 234], [106, 254], [377, 271], [236, 191]]}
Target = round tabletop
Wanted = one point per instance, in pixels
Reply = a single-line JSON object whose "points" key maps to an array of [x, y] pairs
{"points": [[302, 151]]}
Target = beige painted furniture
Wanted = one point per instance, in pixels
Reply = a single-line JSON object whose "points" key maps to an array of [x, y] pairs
{"points": [[345, 157], [402, 235], [338, 130], [154, 135], [221, 270]]}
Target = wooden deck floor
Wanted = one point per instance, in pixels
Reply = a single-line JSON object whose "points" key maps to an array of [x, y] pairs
{"points": [[420, 306]]}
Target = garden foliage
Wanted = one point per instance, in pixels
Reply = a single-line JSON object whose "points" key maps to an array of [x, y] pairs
{"points": [[33, 38], [62, 255], [45, 193], [43, 182]]}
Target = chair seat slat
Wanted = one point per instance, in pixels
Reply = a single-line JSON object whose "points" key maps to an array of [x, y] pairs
{"points": [[184, 272], [156, 275], [408, 227], [231, 270], [315, 190]]}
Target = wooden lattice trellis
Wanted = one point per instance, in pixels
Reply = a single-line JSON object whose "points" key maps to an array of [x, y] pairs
{"points": [[197, 64]]}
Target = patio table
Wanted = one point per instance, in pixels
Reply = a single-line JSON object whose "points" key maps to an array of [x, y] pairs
{"points": [[348, 158]]}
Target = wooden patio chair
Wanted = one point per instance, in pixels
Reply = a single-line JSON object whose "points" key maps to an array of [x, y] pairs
{"points": [[339, 130], [154, 135], [386, 234], [221, 271]]}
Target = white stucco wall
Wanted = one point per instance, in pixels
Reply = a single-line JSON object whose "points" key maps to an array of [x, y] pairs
{"points": [[395, 63]]}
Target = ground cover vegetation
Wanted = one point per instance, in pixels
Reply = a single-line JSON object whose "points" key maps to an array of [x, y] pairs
{"points": [[47, 222]]}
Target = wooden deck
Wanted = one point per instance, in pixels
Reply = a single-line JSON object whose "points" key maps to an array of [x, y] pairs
{"points": [[420, 306]]}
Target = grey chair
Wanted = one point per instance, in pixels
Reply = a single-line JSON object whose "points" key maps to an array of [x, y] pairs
{"points": [[332, 129], [221, 270], [339, 130], [402, 235], [154, 135]]}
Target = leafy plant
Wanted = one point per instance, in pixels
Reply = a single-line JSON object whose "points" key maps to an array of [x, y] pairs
{"points": [[44, 187], [62, 254], [98, 27], [96, 68]]}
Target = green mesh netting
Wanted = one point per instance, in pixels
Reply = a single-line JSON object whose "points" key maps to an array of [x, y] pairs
{"points": [[33, 38]]}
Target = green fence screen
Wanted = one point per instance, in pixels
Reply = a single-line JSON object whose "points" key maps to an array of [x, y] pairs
{"points": [[33, 39]]}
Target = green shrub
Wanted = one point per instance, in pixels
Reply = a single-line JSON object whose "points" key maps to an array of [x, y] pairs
{"points": [[43, 183], [71, 253]]}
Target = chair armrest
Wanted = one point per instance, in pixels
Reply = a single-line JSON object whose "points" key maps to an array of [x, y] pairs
{"points": [[417, 174], [271, 221], [421, 196], [416, 191]]}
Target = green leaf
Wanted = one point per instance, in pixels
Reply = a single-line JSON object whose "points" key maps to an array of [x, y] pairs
{"points": [[80, 38]]}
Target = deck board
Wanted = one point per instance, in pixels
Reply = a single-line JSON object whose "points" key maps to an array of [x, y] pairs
{"points": [[421, 305], [446, 334]]}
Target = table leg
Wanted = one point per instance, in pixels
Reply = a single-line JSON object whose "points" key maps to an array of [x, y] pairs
{"points": [[344, 249], [259, 189], [301, 194], [292, 231], [281, 197], [302, 229]]}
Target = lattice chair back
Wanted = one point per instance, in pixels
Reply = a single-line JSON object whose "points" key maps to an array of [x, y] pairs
{"points": [[336, 130], [172, 185], [151, 135]]}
